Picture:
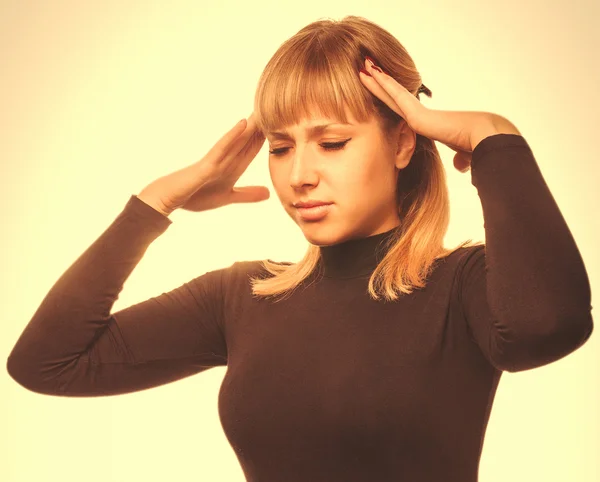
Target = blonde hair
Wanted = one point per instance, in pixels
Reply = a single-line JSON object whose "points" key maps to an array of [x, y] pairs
{"points": [[318, 68]]}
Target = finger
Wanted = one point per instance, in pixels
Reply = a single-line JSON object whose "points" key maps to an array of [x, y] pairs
{"points": [[225, 142], [462, 161], [233, 140], [246, 155], [380, 93], [249, 194], [410, 108]]}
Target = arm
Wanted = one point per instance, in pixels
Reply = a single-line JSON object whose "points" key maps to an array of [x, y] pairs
{"points": [[525, 294], [74, 346]]}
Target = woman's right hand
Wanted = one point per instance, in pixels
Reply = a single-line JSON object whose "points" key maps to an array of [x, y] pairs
{"points": [[208, 183]]}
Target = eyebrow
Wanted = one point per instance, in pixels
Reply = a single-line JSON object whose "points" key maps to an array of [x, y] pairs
{"points": [[312, 131]]}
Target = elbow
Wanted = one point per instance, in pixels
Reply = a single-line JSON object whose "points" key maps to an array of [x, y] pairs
{"points": [[532, 351], [28, 377], [17, 371], [20, 373]]}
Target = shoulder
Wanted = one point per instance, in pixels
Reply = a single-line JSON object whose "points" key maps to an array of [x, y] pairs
{"points": [[472, 263], [258, 264], [246, 268], [470, 251], [236, 279], [460, 255], [454, 264], [471, 254]]}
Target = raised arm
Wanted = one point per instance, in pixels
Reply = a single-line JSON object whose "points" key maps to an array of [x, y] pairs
{"points": [[526, 294], [74, 346]]}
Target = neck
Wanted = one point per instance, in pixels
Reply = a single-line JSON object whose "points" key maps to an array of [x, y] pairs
{"points": [[355, 257]]}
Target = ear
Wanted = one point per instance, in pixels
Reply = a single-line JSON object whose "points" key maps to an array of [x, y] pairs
{"points": [[405, 146]]}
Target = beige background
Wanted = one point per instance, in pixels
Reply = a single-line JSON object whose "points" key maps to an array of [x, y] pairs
{"points": [[99, 98]]}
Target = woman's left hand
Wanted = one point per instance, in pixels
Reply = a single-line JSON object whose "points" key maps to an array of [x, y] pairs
{"points": [[461, 131]]}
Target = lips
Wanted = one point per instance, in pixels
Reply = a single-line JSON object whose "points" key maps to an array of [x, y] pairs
{"points": [[311, 204], [314, 213]]}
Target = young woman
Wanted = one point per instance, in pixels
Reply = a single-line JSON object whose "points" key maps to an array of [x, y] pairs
{"points": [[376, 356]]}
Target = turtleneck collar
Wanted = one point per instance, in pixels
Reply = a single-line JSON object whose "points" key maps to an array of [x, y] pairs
{"points": [[356, 257]]}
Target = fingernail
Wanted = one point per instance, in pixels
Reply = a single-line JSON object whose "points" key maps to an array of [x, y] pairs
{"points": [[373, 66], [365, 72]]}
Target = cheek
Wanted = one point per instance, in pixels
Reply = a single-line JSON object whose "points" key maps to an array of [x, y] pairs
{"points": [[359, 178], [368, 189]]}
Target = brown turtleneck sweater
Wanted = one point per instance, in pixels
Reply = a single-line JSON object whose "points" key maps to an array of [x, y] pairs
{"points": [[329, 385]]}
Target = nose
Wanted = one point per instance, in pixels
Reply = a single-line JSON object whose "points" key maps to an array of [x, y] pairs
{"points": [[303, 170]]}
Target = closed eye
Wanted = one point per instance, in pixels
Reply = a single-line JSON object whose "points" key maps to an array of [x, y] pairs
{"points": [[328, 146]]}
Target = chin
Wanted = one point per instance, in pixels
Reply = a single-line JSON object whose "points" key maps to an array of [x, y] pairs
{"points": [[320, 236]]}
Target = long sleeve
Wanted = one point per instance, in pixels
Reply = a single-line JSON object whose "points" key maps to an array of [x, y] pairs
{"points": [[74, 346], [525, 295]]}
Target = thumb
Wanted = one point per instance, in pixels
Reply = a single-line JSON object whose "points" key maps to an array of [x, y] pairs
{"points": [[462, 161], [250, 194]]}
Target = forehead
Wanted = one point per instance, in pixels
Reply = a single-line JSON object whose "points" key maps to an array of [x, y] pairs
{"points": [[316, 123]]}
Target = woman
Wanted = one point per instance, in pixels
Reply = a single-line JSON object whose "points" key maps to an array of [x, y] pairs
{"points": [[382, 358]]}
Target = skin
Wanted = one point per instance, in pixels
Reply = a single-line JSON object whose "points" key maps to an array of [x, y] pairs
{"points": [[360, 178]]}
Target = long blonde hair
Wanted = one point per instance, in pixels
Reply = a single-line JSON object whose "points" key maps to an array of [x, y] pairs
{"points": [[319, 67]]}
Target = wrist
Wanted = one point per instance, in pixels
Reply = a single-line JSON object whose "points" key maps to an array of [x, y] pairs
{"points": [[154, 203]]}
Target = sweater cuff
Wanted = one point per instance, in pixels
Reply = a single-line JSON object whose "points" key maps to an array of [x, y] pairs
{"points": [[497, 141], [138, 209]]}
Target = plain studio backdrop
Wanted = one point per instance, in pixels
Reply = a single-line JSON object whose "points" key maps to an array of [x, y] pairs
{"points": [[99, 98]]}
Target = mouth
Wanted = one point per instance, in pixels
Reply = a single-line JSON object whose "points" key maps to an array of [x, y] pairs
{"points": [[315, 212], [310, 205]]}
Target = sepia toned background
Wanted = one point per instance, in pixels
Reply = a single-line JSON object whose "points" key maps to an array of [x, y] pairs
{"points": [[99, 98]]}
